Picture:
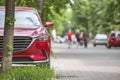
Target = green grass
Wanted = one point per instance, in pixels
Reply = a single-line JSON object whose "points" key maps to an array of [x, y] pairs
{"points": [[28, 73]]}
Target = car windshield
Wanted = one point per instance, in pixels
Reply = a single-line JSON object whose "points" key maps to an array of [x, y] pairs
{"points": [[100, 36], [23, 19]]}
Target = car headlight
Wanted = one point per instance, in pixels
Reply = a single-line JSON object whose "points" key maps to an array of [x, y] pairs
{"points": [[43, 37]]}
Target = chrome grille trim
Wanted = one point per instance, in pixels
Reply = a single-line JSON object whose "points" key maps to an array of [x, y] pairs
{"points": [[20, 43], [30, 62]]}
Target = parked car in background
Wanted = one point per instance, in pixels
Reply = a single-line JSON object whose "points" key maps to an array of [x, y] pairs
{"points": [[114, 39], [31, 39], [100, 39]]}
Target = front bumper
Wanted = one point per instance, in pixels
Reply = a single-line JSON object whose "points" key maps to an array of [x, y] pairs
{"points": [[37, 52], [30, 62]]}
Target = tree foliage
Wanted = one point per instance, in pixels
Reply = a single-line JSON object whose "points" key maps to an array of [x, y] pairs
{"points": [[98, 16], [54, 10]]}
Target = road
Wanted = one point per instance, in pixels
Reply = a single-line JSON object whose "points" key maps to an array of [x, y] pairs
{"points": [[92, 63]]}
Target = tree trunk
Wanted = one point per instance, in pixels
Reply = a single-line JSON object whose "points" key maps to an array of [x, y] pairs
{"points": [[40, 4], [8, 36]]}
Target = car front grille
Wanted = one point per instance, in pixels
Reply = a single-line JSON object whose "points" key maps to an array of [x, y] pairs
{"points": [[19, 59], [20, 43]]}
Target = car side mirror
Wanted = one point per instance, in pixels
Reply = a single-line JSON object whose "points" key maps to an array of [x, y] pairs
{"points": [[49, 24]]}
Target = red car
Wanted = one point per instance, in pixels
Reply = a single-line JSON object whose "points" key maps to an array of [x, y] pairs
{"points": [[114, 39], [31, 38]]}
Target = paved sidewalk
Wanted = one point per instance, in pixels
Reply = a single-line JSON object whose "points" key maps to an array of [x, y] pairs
{"points": [[80, 69], [84, 72]]}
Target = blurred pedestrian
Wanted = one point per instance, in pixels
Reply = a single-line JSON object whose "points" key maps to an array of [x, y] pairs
{"points": [[74, 38], [69, 37], [77, 35], [54, 35], [85, 38]]}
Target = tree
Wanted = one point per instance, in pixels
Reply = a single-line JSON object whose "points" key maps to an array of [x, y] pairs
{"points": [[89, 14], [112, 14], [8, 36], [2, 2], [40, 5], [55, 11]]}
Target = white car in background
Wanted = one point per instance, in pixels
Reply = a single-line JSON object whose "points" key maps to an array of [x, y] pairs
{"points": [[100, 39]]}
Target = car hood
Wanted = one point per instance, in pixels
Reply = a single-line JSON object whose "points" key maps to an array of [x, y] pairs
{"points": [[22, 31]]}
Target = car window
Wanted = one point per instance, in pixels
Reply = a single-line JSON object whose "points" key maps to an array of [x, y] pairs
{"points": [[98, 36], [112, 34], [22, 18], [118, 35], [2, 15]]}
